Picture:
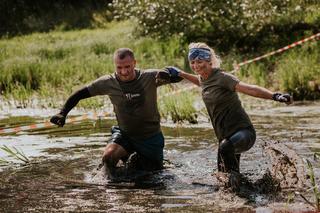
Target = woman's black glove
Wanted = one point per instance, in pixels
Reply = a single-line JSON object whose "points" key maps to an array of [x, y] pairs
{"points": [[285, 98]]}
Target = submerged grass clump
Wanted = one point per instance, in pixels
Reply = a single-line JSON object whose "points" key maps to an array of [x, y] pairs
{"points": [[15, 153], [315, 187], [3, 161]]}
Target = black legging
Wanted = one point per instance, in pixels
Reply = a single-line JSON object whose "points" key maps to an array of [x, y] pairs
{"points": [[230, 149]]}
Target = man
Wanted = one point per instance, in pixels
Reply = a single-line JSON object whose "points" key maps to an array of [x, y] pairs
{"points": [[133, 94]]}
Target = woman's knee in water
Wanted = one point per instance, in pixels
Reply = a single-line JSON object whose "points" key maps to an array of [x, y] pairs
{"points": [[243, 140]]}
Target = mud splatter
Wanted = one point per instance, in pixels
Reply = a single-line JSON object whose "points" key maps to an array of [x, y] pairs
{"points": [[287, 167]]}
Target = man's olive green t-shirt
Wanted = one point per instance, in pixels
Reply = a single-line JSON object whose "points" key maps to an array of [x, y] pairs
{"points": [[223, 104], [134, 102]]}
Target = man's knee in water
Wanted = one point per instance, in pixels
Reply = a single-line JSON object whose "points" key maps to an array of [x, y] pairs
{"points": [[108, 159], [112, 154]]}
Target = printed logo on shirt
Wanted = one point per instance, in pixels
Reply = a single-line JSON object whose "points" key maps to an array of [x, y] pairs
{"points": [[131, 96], [134, 96]]}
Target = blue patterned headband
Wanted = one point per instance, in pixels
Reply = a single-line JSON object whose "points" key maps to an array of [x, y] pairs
{"points": [[199, 53]]}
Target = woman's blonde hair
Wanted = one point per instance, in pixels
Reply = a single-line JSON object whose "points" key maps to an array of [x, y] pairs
{"points": [[215, 59]]}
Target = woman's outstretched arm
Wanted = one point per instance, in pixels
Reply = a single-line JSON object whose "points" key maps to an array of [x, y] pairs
{"points": [[190, 77], [254, 90], [260, 92]]}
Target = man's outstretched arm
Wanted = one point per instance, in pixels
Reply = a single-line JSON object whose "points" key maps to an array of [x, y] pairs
{"points": [[72, 101], [168, 75]]}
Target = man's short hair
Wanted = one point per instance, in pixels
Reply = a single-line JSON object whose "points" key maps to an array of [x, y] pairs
{"points": [[121, 53]]}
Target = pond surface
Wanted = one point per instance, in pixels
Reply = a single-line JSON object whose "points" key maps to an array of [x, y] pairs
{"points": [[63, 175]]}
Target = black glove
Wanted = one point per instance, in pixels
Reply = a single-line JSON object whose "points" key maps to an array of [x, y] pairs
{"points": [[173, 74], [58, 119], [286, 98], [173, 71], [169, 75]]}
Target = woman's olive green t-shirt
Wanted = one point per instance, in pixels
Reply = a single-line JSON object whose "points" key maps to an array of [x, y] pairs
{"points": [[223, 104]]}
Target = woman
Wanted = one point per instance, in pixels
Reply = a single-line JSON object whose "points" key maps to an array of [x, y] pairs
{"points": [[231, 123]]}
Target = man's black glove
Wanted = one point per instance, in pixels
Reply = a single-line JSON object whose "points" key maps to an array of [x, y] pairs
{"points": [[58, 119], [169, 75], [173, 74], [173, 71], [286, 98]]}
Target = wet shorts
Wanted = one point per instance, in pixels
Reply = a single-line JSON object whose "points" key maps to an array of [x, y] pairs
{"points": [[150, 149]]}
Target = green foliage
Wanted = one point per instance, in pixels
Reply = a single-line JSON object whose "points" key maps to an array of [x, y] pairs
{"points": [[23, 16], [298, 72], [21, 95], [53, 65], [158, 53], [255, 74], [246, 25]]}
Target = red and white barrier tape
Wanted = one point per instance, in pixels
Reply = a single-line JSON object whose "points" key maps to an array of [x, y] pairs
{"points": [[48, 124], [279, 50], [92, 116], [95, 116], [22, 128]]}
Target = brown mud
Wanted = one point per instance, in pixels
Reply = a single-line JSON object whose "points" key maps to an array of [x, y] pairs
{"points": [[62, 175]]}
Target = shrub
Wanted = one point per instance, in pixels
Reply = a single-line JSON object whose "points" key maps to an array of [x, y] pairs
{"points": [[247, 25]]}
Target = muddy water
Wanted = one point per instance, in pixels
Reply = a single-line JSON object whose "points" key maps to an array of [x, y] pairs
{"points": [[63, 175]]}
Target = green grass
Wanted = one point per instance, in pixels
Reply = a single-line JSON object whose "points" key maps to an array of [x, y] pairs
{"points": [[255, 74], [178, 108], [50, 66], [61, 61], [296, 71], [299, 72]]}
